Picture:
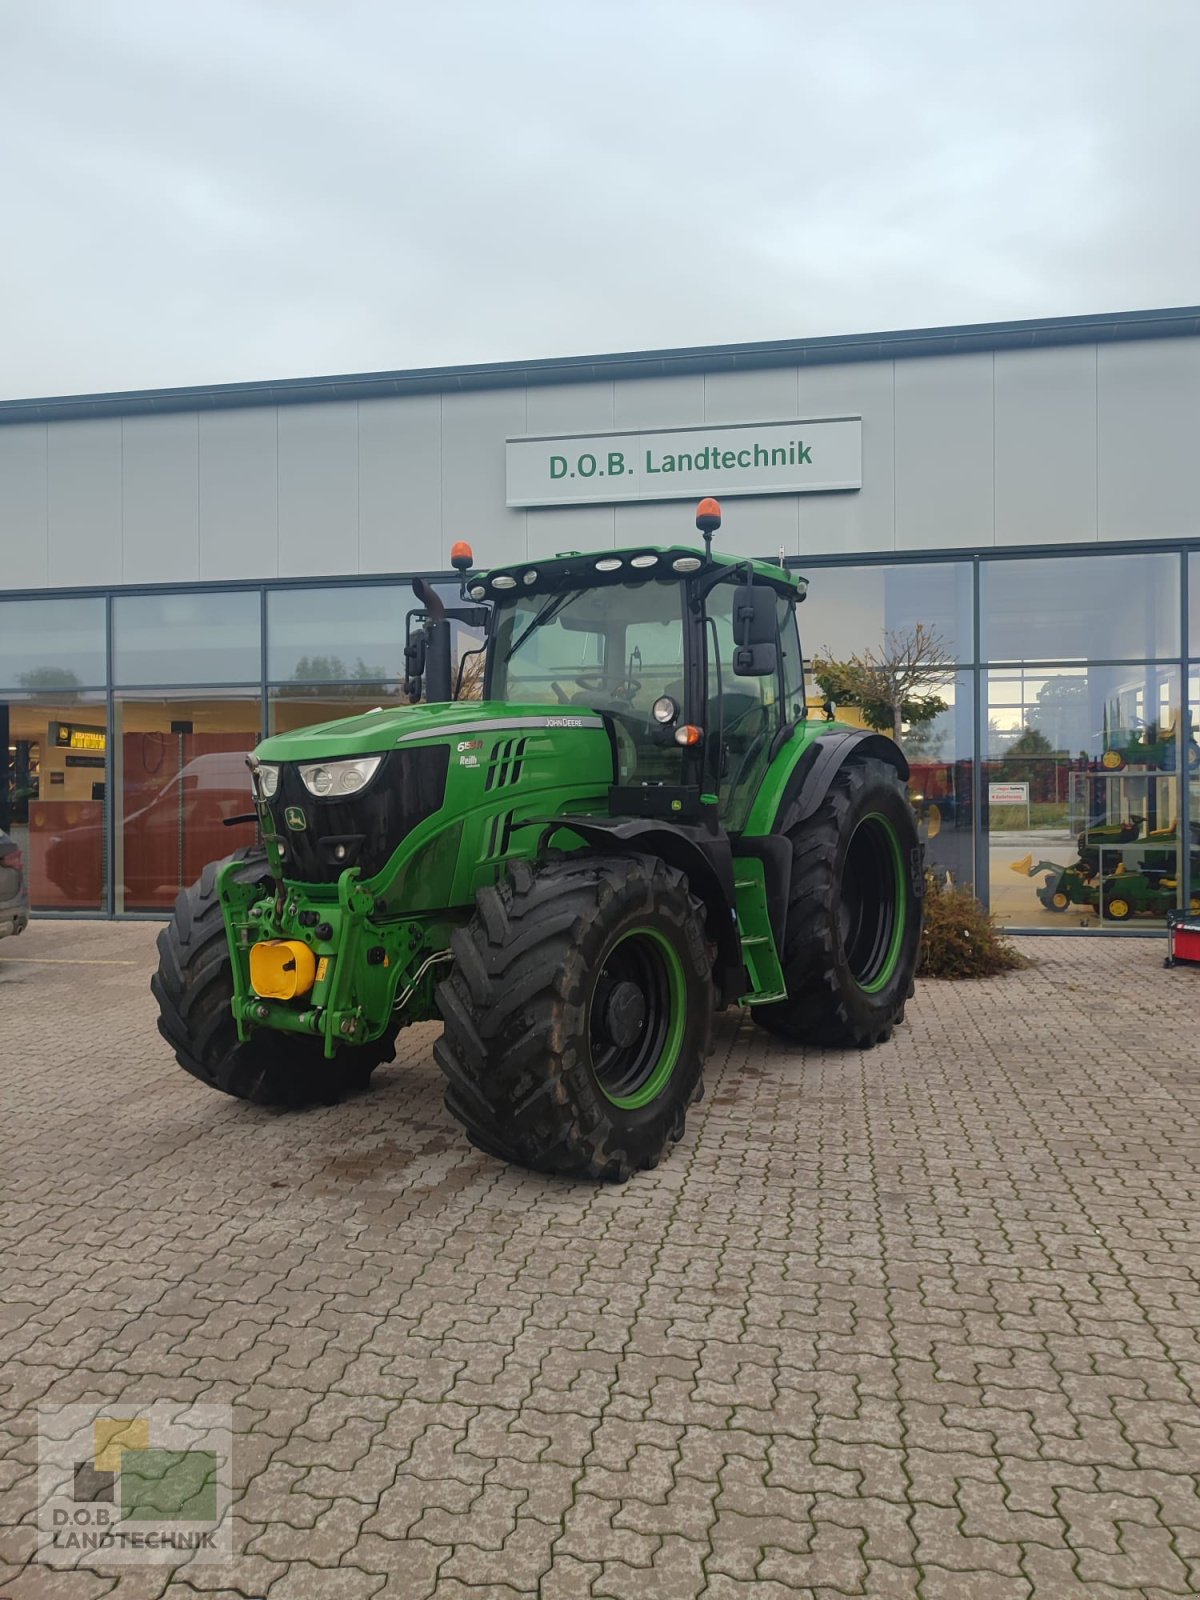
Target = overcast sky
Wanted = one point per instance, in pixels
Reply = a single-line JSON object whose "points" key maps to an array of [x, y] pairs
{"points": [[198, 191]]}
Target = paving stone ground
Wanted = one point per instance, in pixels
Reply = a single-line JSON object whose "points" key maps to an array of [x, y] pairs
{"points": [[917, 1322]]}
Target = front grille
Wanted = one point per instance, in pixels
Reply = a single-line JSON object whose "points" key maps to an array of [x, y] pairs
{"points": [[364, 829]]}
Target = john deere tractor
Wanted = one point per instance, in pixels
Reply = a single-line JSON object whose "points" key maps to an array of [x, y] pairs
{"points": [[632, 828]]}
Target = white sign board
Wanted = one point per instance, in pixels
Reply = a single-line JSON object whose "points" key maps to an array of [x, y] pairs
{"points": [[1008, 794], [684, 464]]}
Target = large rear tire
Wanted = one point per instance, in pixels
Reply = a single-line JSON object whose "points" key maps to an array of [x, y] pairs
{"points": [[194, 988], [578, 1015], [854, 914]]}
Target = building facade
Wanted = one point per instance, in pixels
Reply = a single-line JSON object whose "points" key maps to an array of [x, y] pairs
{"points": [[182, 570]]}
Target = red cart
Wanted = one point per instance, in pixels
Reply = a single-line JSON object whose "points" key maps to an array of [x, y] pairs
{"points": [[1183, 939]]}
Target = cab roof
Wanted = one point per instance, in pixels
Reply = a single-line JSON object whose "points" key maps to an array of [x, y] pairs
{"points": [[633, 564]]}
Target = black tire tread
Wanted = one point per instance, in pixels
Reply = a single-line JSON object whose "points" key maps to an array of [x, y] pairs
{"points": [[518, 1079], [816, 1011]]}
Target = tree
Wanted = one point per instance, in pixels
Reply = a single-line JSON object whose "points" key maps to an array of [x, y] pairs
{"points": [[469, 674], [313, 675], [1061, 712], [332, 669], [894, 685], [1031, 759], [48, 678]]}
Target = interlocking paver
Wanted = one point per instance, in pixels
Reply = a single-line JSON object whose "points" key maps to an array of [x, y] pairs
{"points": [[920, 1322]]}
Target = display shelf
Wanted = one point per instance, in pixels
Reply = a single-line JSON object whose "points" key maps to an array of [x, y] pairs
{"points": [[1097, 799]]}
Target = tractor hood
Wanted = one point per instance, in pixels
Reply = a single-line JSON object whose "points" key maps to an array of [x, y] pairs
{"points": [[377, 731]]}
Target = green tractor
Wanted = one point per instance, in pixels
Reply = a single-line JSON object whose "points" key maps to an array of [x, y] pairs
{"points": [[633, 827]]}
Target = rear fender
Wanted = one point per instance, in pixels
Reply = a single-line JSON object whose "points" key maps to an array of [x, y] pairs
{"points": [[819, 764]]}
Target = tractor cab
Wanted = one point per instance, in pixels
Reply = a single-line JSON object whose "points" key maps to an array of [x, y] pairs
{"points": [[692, 660]]}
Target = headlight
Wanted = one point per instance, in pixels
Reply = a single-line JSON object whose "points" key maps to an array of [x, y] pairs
{"points": [[266, 778], [332, 779], [664, 709]]}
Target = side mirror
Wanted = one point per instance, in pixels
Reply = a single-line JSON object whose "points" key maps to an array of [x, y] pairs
{"points": [[414, 656], [755, 631], [414, 664]]}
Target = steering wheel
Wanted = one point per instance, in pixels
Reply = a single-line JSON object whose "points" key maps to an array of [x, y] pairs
{"points": [[596, 683]]}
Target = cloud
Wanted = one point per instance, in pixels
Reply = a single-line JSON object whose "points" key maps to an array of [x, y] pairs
{"points": [[254, 189]]}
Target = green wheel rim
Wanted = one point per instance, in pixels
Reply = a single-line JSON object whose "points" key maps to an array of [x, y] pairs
{"points": [[636, 1018], [872, 919]]}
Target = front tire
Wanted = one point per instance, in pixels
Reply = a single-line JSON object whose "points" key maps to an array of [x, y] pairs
{"points": [[854, 914], [194, 989], [578, 1015], [1054, 899], [1118, 908]]}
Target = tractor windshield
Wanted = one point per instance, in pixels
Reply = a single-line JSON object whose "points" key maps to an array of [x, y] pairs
{"points": [[616, 648]]}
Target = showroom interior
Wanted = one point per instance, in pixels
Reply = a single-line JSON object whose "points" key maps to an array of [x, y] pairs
{"points": [[188, 570]]}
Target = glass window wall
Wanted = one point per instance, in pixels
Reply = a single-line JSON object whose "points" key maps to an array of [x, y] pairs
{"points": [[852, 608], [1192, 758], [53, 795], [179, 769], [201, 638], [292, 706], [348, 633], [52, 644], [941, 781], [1079, 608], [1083, 810], [1082, 795]]}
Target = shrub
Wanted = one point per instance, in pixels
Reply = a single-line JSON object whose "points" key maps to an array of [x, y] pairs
{"points": [[960, 938]]}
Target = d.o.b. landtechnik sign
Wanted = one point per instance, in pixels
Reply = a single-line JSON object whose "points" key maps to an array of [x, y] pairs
{"points": [[678, 464]]}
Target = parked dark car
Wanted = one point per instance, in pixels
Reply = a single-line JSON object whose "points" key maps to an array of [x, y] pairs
{"points": [[14, 891]]}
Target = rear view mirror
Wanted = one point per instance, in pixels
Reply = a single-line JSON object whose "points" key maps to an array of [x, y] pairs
{"points": [[755, 631], [414, 656]]}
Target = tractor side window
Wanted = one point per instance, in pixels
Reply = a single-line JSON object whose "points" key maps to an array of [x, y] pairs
{"points": [[743, 712], [791, 663], [654, 660]]}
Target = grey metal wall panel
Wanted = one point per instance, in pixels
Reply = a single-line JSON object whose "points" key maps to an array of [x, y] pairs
{"points": [[83, 474], [768, 395], [474, 428], [659, 522], [864, 520], [752, 525], [569, 408], [944, 443], [659, 402], [1046, 445], [557, 528], [24, 538], [1149, 465], [400, 484], [749, 527], [318, 489], [239, 494], [959, 451], [160, 466]]}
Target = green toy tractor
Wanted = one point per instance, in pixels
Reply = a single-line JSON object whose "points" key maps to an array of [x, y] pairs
{"points": [[1144, 886], [1149, 748], [633, 827]]}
